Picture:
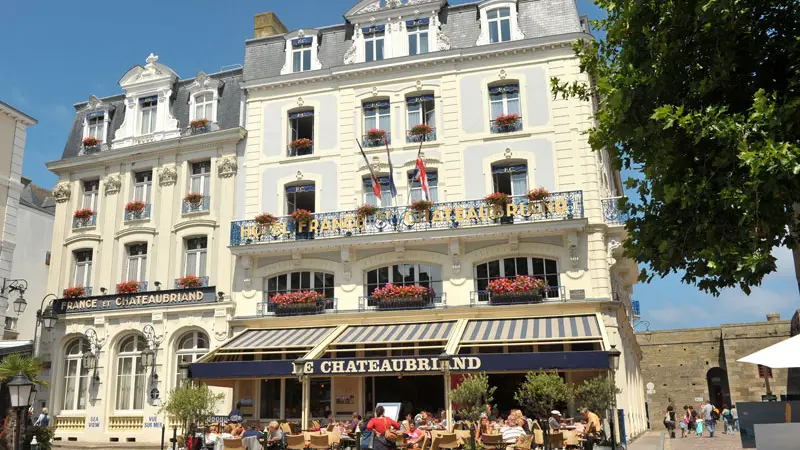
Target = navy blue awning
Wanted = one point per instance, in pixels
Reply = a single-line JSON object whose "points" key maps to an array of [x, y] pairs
{"points": [[302, 41], [419, 99], [151, 98], [369, 30], [298, 115], [381, 180], [510, 169], [504, 88], [414, 23], [241, 369], [96, 114], [304, 188], [375, 104]]}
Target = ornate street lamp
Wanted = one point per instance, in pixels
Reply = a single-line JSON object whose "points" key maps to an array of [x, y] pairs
{"points": [[613, 366], [90, 358], [149, 354], [20, 389], [613, 358], [20, 304], [48, 318], [148, 358]]}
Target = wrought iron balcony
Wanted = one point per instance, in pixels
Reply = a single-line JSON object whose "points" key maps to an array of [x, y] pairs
{"points": [[323, 306], [203, 283], [546, 295], [505, 128], [299, 151], [398, 304], [402, 219], [78, 223], [193, 207], [366, 141], [611, 212], [138, 215], [412, 138]]}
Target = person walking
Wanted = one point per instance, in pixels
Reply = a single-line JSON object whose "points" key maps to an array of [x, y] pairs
{"points": [[383, 427], [708, 417], [727, 417], [684, 424], [669, 421], [735, 415]]}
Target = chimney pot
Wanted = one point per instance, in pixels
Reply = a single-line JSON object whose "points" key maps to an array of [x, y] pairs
{"points": [[268, 24], [773, 317]]}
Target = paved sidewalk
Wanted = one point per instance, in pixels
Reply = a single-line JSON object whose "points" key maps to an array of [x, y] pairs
{"points": [[652, 441], [648, 441]]}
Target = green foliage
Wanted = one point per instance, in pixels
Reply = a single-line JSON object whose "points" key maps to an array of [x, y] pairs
{"points": [[472, 396], [191, 403], [12, 364], [541, 392], [701, 97], [44, 436], [597, 394]]}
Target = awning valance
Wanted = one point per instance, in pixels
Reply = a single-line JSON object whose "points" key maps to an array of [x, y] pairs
{"points": [[403, 332], [278, 338], [531, 329]]}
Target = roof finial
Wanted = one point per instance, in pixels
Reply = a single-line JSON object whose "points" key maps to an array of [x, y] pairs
{"points": [[151, 59]]}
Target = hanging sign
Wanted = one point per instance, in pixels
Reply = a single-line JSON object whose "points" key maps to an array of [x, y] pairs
{"points": [[170, 298]]}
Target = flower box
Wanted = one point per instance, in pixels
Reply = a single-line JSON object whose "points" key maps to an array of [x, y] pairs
{"points": [[128, 287], [302, 216], [83, 214], [498, 199], [90, 142], [199, 124], [421, 129], [193, 198], [366, 210], [74, 292], [534, 296], [538, 194], [376, 134], [521, 289], [392, 296], [405, 302], [298, 303], [190, 281], [301, 144], [421, 205], [506, 120], [265, 219], [135, 207]]}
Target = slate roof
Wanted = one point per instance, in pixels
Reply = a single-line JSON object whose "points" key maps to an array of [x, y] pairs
{"points": [[228, 109], [37, 197], [264, 57]]}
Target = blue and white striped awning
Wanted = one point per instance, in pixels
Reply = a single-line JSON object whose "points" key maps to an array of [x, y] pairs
{"points": [[403, 332], [278, 338], [531, 329]]}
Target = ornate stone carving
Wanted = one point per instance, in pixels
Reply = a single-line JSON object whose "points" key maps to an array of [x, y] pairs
{"points": [[442, 41], [347, 262], [167, 176], [503, 74], [113, 184], [299, 175], [350, 54], [613, 244], [297, 258], [62, 192], [203, 82], [572, 243], [455, 255], [300, 101], [227, 167], [508, 154], [419, 85], [221, 335], [374, 91]]}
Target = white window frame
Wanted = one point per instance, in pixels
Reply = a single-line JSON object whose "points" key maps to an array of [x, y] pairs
{"points": [[85, 266], [503, 101], [139, 259], [529, 260], [414, 33], [197, 252], [205, 103], [189, 355], [513, 21], [201, 174], [497, 21], [299, 54], [143, 189], [377, 115], [135, 358], [515, 195], [415, 192], [371, 40], [148, 123], [386, 193], [312, 49], [98, 131], [77, 381], [390, 268], [427, 116], [289, 288], [90, 196]]}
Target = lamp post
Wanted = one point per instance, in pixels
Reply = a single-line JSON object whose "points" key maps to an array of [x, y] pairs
{"points": [[20, 389], [299, 366], [149, 354], [613, 366], [444, 362], [46, 317], [90, 358]]}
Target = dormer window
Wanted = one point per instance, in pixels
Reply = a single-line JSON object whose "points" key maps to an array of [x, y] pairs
{"points": [[301, 54], [204, 106], [302, 51], [373, 42], [149, 107], [417, 36], [499, 25], [499, 22], [95, 125]]}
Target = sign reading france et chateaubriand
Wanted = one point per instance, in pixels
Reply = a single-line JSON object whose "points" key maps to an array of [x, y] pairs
{"points": [[175, 297]]}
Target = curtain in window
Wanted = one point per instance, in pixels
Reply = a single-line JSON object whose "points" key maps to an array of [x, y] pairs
{"points": [[139, 385], [519, 184], [414, 114], [512, 99], [124, 372]]}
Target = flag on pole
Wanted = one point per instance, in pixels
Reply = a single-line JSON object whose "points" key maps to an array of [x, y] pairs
{"points": [[392, 186], [376, 184], [421, 176]]}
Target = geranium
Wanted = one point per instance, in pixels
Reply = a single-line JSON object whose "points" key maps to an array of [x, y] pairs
{"points": [[193, 197], [190, 281], [376, 134], [421, 129], [538, 194], [83, 214], [128, 287], [74, 292], [497, 199], [504, 120], [301, 216], [294, 297], [135, 207], [90, 141], [393, 291], [522, 283], [301, 143], [366, 210], [265, 219], [421, 205], [199, 123]]}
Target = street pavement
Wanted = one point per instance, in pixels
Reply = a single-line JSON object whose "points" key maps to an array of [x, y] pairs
{"points": [[651, 441]]}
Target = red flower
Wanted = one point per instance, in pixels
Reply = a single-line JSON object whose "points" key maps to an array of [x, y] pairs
{"points": [[135, 207], [128, 287], [498, 199], [301, 143], [295, 297], [421, 129], [522, 283], [266, 219], [538, 194], [199, 123], [90, 141], [193, 197], [366, 210], [393, 291], [376, 134], [421, 205], [506, 119], [83, 214], [74, 292], [301, 216], [190, 281]]}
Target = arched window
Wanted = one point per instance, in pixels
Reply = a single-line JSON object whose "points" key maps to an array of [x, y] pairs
{"points": [[191, 346], [131, 376], [426, 275], [322, 282], [546, 269], [76, 376]]}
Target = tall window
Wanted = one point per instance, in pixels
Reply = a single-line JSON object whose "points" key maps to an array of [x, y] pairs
{"points": [[373, 42], [201, 178], [301, 54], [83, 268], [405, 275], [131, 375], [136, 263], [510, 179], [142, 182], [76, 376], [386, 192], [196, 255], [300, 197], [91, 189], [96, 125], [149, 106], [504, 99], [417, 36], [499, 24], [421, 109], [377, 115], [415, 188], [546, 269], [321, 282], [301, 126], [204, 106], [191, 346]]}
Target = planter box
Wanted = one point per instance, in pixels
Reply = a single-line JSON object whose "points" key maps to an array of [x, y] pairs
{"points": [[301, 309], [516, 297], [405, 303]]}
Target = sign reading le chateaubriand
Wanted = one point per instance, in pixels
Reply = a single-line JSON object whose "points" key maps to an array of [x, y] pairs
{"points": [[175, 297]]}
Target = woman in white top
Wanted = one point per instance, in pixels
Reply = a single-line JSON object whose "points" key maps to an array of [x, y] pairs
{"points": [[214, 439]]}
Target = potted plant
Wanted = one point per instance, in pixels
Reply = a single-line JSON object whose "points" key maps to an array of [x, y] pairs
{"points": [[541, 393], [265, 219], [302, 220], [507, 121], [376, 134], [597, 395], [366, 210], [538, 194], [199, 124], [74, 292], [83, 215], [392, 296], [298, 302], [521, 289], [498, 200], [190, 281], [421, 205], [135, 208], [472, 396], [301, 144], [128, 287], [421, 129], [90, 142]]}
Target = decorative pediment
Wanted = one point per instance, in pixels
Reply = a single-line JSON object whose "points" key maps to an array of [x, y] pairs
{"points": [[153, 71], [203, 82], [390, 6], [95, 104]]}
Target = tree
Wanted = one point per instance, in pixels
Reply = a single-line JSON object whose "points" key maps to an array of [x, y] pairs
{"points": [[191, 403], [701, 97], [10, 366], [472, 395], [597, 394], [539, 394]]}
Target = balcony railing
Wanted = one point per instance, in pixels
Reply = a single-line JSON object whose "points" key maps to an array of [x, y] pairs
{"points": [[611, 212], [398, 304], [78, 223], [193, 207], [327, 305], [411, 138], [138, 215], [402, 219], [203, 282], [497, 128], [547, 295], [367, 142], [299, 151], [87, 291], [142, 287]]}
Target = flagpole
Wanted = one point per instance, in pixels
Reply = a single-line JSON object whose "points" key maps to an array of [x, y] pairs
{"points": [[376, 185]]}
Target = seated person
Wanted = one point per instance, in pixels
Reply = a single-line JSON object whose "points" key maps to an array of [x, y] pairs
{"points": [[253, 431], [238, 431], [404, 425], [273, 438], [555, 420], [511, 431], [227, 432], [415, 436], [326, 421]]}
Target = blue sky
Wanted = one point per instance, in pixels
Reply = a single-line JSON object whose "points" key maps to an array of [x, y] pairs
{"points": [[62, 53]]}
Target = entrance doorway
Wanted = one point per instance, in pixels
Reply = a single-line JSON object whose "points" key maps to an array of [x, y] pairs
{"points": [[417, 393], [718, 391]]}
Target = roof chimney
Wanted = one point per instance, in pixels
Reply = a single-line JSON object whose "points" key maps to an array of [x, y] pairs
{"points": [[773, 317], [268, 24]]}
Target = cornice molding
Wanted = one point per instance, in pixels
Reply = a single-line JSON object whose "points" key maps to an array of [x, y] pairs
{"points": [[137, 230], [190, 223]]}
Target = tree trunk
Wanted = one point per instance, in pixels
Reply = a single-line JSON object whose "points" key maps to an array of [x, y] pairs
{"points": [[472, 436], [546, 434]]}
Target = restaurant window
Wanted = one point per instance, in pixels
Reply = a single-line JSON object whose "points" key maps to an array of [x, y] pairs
{"points": [[191, 346], [415, 186], [301, 126], [76, 376], [301, 54], [417, 36], [429, 276], [196, 256], [131, 374], [148, 108], [320, 397], [321, 282], [499, 24], [200, 181], [82, 275], [511, 179], [142, 183], [546, 269], [91, 189], [300, 197], [386, 192], [294, 399], [136, 263], [373, 42], [270, 396]]}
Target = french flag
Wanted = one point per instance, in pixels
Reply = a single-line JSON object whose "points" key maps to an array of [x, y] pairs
{"points": [[422, 176]]}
